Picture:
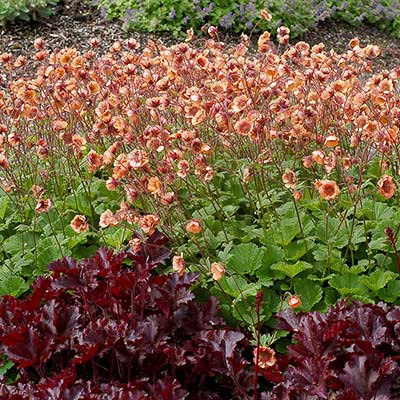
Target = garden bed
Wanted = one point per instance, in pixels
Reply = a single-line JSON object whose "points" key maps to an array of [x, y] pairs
{"points": [[191, 219]]}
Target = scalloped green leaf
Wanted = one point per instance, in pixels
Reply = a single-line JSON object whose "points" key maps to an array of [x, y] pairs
{"points": [[291, 270], [246, 258]]}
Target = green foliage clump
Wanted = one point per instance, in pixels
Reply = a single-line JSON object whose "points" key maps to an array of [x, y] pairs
{"points": [[385, 14], [176, 17], [25, 10]]}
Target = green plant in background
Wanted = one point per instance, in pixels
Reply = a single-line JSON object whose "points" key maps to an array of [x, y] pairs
{"points": [[384, 14], [177, 16], [237, 16], [25, 10]]}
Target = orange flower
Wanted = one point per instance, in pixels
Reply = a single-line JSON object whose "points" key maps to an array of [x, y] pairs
{"points": [[330, 163], [79, 224], [78, 142], [217, 270], [178, 264], [39, 43], [282, 35], [112, 184], [189, 35], [154, 185], [243, 126], [37, 191], [59, 124], [263, 42], [43, 205], [118, 123], [354, 42], [298, 195], [307, 161], [148, 223], [94, 160], [167, 198], [93, 87], [266, 15], [199, 117], [247, 174], [331, 141], [131, 193], [328, 190], [386, 186], [78, 62], [4, 162], [135, 244], [183, 168], [318, 156], [294, 301], [289, 179], [107, 219], [202, 61], [266, 357], [193, 226], [240, 103]]}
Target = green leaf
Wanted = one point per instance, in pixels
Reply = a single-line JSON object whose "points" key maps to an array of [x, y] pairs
{"points": [[211, 239], [233, 285], [348, 285], [250, 289], [310, 293], [116, 236], [291, 270], [230, 210], [378, 279], [285, 231], [48, 250], [246, 258], [244, 311], [13, 285], [390, 293], [337, 233], [80, 252], [251, 233], [380, 243], [20, 242], [296, 250], [330, 296], [5, 366], [3, 206], [79, 202], [272, 255], [224, 254]]}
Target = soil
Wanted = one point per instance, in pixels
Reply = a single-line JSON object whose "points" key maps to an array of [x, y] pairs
{"points": [[75, 23]]}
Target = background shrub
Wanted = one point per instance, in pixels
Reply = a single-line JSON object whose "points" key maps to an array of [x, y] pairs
{"points": [[384, 14], [238, 16], [25, 10]]}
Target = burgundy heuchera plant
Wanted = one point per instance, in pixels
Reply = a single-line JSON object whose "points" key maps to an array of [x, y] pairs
{"points": [[350, 353], [99, 329]]}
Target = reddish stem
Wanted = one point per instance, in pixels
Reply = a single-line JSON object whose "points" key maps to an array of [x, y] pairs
{"points": [[392, 241]]}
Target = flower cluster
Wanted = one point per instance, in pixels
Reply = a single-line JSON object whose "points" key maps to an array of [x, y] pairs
{"points": [[147, 121], [98, 146]]}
